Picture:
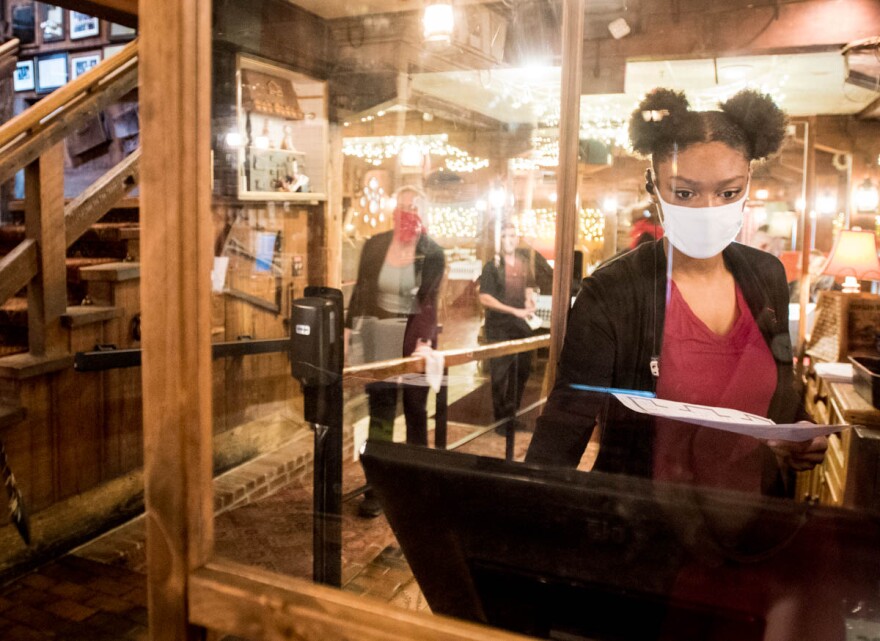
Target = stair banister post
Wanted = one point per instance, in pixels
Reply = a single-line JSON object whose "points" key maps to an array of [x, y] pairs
{"points": [[44, 223]]}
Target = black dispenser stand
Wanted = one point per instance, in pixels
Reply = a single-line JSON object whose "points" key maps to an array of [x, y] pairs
{"points": [[316, 360]]}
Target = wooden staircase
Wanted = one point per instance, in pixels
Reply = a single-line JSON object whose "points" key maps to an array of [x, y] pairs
{"points": [[112, 240], [69, 277]]}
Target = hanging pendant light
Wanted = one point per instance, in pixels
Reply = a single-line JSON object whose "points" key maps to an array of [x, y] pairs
{"points": [[438, 22]]}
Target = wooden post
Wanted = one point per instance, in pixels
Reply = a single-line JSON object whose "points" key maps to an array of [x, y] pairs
{"points": [[566, 218], [333, 209], [806, 233], [176, 260], [44, 223]]}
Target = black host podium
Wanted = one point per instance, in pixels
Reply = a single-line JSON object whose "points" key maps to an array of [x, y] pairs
{"points": [[568, 555]]}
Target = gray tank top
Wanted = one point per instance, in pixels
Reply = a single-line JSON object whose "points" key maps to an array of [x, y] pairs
{"points": [[397, 289]]}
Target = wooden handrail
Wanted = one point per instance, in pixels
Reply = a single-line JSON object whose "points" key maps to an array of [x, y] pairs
{"points": [[25, 141], [9, 48], [101, 196], [17, 268], [65, 98], [27, 136], [381, 370]]}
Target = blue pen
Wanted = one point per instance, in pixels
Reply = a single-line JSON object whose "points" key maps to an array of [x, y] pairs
{"points": [[612, 390]]}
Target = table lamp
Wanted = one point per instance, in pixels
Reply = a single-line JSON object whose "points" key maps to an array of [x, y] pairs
{"points": [[854, 256]]}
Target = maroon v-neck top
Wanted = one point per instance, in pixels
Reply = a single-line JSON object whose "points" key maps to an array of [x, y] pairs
{"points": [[735, 370]]}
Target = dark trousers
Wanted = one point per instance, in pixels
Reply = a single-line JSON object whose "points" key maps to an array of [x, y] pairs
{"points": [[509, 375], [383, 409]]}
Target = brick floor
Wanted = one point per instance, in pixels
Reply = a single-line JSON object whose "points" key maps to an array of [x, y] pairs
{"points": [[98, 592]]}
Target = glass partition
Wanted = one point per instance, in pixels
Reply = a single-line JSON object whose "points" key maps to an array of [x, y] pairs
{"points": [[407, 157], [404, 157]]}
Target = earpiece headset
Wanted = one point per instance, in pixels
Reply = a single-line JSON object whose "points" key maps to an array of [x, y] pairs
{"points": [[649, 182]]}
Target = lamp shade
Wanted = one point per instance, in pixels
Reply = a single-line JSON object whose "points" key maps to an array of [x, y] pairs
{"points": [[854, 256]]}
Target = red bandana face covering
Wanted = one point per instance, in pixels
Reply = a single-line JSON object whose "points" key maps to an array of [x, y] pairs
{"points": [[407, 224]]}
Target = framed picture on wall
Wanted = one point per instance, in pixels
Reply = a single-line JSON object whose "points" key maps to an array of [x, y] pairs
{"points": [[51, 72], [112, 50], [23, 23], [51, 22], [121, 32], [24, 78], [82, 62], [82, 25]]}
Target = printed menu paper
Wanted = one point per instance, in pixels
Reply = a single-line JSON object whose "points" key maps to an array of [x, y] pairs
{"points": [[722, 418]]}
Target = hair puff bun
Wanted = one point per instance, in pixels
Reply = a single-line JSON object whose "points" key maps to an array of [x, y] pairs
{"points": [[659, 120], [762, 121]]}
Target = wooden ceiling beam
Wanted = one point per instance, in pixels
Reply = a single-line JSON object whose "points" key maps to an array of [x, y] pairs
{"points": [[124, 12], [709, 28], [872, 111]]}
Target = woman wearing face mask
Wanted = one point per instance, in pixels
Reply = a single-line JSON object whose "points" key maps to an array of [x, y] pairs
{"points": [[694, 317], [398, 277]]}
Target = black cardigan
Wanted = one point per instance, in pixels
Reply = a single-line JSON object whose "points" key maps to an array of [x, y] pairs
{"points": [[430, 264], [614, 329]]}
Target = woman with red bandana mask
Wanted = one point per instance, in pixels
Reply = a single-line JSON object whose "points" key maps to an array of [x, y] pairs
{"points": [[398, 278]]}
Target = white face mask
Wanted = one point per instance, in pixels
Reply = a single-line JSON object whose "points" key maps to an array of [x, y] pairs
{"points": [[702, 232]]}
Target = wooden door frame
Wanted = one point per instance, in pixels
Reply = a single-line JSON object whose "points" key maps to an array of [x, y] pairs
{"points": [[189, 590]]}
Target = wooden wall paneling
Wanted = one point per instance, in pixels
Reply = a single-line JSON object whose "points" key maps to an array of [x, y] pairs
{"points": [[131, 433], [124, 392], [234, 393], [18, 448], [317, 245], [44, 218], [176, 258], [36, 396], [114, 413], [123, 434], [279, 31], [79, 419]]}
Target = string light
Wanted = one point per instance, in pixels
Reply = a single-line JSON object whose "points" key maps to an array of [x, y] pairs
{"points": [[541, 223], [376, 150], [592, 226], [466, 165], [454, 221]]}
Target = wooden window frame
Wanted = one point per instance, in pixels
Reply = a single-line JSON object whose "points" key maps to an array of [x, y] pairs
{"points": [[190, 590]]}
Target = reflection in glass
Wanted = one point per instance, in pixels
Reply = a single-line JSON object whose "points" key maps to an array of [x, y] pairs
{"points": [[338, 163], [417, 172]]}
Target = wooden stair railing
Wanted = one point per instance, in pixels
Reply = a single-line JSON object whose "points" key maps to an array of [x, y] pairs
{"points": [[17, 268], [34, 140], [24, 138], [100, 197]]}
